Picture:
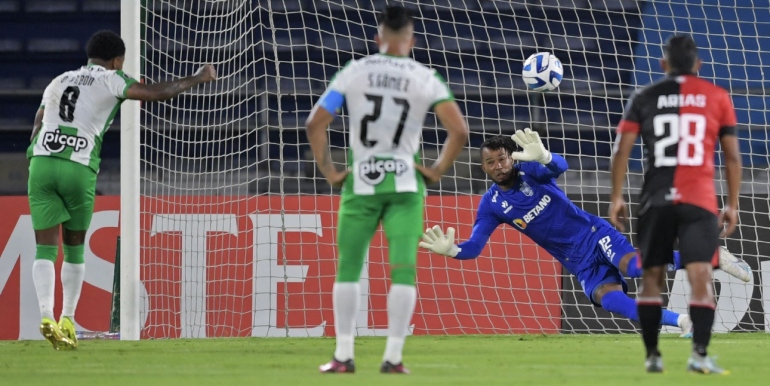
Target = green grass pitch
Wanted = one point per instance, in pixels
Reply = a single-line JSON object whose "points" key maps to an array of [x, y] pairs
{"points": [[530, 360]]}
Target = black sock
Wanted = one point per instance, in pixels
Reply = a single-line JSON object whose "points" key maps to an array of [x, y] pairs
{"points": [[702, 316], [650, 313]]}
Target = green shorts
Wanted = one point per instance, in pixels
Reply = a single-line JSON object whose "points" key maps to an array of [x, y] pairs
{"points": [[60, 192], [401, 215]]}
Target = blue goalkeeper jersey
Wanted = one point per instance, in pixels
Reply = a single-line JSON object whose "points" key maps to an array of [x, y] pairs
{"points": [[537, 207]]}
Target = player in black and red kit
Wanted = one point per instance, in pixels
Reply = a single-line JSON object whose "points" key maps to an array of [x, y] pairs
{"points": [[680, 119]]}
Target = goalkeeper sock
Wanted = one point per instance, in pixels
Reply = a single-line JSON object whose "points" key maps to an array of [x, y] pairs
{"points": [[619, 302], [44, 277], [345, 297], [702, 315], [401, 301], [650, 313], [677, 261]]}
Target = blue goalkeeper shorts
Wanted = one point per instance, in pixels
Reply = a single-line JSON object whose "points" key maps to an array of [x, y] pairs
{"points": [[599, 269]]}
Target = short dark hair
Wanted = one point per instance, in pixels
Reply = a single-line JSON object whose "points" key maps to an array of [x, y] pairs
{"points": [[681, 53], [105, 45], [395, 18], [499, 142]]}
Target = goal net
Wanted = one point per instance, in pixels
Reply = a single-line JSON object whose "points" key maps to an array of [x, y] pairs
{"points": [[237, 226]]}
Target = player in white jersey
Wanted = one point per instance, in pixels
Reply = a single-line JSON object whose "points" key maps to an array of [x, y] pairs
{"points": [[387, 96], [77, 109]]}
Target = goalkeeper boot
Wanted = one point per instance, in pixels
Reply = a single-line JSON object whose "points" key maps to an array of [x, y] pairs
{"points": [[733, 265], [654, 364], [704, 365], [388, 367], [336, 366], [53, 334], [685, 323], [68, 329]]}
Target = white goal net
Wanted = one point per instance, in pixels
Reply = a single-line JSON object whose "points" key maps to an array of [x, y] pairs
{"points": [[237, 227]]}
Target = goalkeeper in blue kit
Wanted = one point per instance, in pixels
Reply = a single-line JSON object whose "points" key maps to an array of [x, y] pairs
{"points": [[525, 196]]}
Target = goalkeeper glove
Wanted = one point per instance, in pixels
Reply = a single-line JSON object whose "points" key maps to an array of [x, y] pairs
{"points": [[435, 240], [532, 146]]}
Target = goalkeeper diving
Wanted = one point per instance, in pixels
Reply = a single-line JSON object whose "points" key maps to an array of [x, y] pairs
{"points": [[526, 197]]}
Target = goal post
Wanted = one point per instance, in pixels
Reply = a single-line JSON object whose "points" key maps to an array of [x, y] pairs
{"points": [[130, 132], [228, 229]]}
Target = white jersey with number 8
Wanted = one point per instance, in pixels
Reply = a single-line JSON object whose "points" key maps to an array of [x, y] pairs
{"points": [[79, 107]]}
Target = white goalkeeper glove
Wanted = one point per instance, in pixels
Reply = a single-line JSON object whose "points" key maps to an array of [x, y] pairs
{"points": [[435, 240], [532, 146]]}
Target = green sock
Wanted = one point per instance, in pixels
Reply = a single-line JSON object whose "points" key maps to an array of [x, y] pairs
{"points": [[47, 252], [74, 254]]}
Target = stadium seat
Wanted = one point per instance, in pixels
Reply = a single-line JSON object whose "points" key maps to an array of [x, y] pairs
{"points": [[10, 45], [508, 7], [286, 5], [53, 45], [513, 42], [452, 44], [9, 6], [12, 84], [451, 5], [51, 6], [101, 6], [339, 42], [569, 4], [615, 5]]}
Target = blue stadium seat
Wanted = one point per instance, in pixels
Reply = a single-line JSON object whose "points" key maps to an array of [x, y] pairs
{"points": [[51, 6], [101, 6], [10, 45], [615, 5], [452, 44], [511, 6], [512, 42], [450, 5], [9, 6], [287, 5], [12, 83], [53, 45], [338, 42]]}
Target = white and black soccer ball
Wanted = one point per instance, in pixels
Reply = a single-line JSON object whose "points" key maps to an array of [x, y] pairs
{"points": [[542, 71]]}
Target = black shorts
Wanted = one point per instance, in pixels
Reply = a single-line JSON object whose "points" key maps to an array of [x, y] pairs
{"points": [[658, 228]]}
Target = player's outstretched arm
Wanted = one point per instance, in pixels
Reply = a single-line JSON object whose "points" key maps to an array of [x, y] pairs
{"points": [[729, 215], [167, 90], [618, 208], [442, 243], [534, 150], [453, 121]]}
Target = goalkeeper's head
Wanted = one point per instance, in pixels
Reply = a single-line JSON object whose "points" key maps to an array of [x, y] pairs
{"points": [[496, 159], [106, 49], [395, 33], [680, 56]]}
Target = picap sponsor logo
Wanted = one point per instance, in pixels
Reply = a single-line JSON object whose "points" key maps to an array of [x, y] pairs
{"points": [[55, 141], [374, 170], [533, 213]]}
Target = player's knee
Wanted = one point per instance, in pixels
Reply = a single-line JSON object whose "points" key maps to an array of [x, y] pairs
{"points": [[349, 271], [602, 290], [403, 274]]}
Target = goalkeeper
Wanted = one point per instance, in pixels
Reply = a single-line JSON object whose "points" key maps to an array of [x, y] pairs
{"points": [[525, 196], [77, 109]]}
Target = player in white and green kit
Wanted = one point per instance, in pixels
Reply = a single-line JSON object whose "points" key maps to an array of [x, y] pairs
{"points": [[387, 96], [77, 109]]}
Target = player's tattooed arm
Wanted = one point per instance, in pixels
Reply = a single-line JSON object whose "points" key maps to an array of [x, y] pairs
{"points": [[38, 123], [167, 90]]}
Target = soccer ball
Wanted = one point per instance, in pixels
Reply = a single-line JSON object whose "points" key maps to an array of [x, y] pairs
{"points": [[542, 71]]}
